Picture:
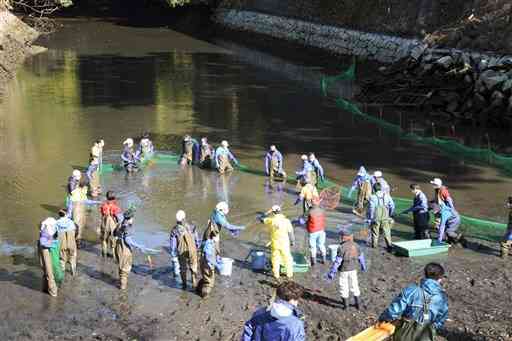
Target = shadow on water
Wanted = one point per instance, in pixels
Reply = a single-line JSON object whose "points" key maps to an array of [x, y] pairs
{"points": [[98, 275], [25, 278]]}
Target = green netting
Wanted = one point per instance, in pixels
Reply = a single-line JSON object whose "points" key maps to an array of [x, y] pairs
{"points": [[58, 274], [157, 158], [478, 228]]}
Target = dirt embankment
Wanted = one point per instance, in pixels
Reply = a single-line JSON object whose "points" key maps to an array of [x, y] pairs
{"points": [[16, 40]]}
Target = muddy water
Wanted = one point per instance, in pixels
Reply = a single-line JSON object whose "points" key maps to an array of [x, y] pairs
{"points": [[102, 79]]}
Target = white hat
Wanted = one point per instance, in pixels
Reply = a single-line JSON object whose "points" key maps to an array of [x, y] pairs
{"points": [[128, 141], [377, 174], [437, 182], [223, 207], [77, 174], [273, 148], [224, 144], [304, 157], [276, 208], [180, 215], [49, 226]]}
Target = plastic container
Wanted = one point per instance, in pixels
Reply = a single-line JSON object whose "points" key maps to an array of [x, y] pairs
{"points": [[227, 266], [258, 260], [333, 250]]}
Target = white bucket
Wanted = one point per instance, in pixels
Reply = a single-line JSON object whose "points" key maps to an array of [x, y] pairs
{"points": [[333, 249], [227, 266]]}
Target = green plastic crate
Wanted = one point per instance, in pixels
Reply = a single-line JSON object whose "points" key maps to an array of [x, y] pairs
{"points": [[300, 264], [422, 247]]}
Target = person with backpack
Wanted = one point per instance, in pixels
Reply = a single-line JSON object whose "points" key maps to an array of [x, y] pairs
{"points": [[111, 217], [282, 320], [380, 211], [419, 310], [183, 249], [348, 259]]}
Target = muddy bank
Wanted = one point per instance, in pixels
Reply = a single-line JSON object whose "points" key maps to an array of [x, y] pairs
{"points": [[16, 40]]}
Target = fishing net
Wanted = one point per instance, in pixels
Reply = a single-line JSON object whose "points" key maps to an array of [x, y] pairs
{"points": [[330, 198], [475, 227], [58, 274]]}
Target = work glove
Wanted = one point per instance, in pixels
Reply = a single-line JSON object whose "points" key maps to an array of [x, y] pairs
{"points": [[362, 261], [297, 201], [260, 217], [331, 275], [235, 233]]}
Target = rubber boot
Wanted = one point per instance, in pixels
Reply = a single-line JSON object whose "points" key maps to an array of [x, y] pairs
{"points": [[313, 261], [184, 280], [194, 280], [343, 303], [504, 250], [356, 302], [324, 258]]}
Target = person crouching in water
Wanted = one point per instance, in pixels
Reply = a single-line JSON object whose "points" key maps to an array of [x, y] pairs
{"points": [[210, 260], [189, 150], [183, 246], [224, 157], [348, 259], [362, 183], [48, 239], [145, 150], [282, 320], [449, 223], [124, 248], [111, 217], [274, 164], [66, 228], [129, 156], [281, 239], [205, 154]]}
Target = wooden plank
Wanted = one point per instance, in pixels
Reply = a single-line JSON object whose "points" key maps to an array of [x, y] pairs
{"points": [[379, 332]]}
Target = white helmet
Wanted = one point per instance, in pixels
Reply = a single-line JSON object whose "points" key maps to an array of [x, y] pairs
{"points": [[223, 207], [180, 215], [273, 148], [437, 183], [77, 174], [304, 157], [49, 225], [224, 144], [377, 174], [276, 208], [128, 141]]}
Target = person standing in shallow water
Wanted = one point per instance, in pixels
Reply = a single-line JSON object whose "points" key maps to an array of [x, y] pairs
{"points": [[183, 247], [68, 253], [111, 217], [419, 310], [274, 163], [224, 157], [48, 238], [210, 260], [205, 154]]}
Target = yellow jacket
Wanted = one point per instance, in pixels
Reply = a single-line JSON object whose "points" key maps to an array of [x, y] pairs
{"points": [[281, 231], [309, 192], [79, 194]]}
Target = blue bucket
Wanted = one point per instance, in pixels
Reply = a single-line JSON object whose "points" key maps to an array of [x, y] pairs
{"points": [[258, 260]]}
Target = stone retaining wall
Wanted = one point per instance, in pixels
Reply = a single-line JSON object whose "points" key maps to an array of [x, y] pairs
{"points": [[382, 48]]}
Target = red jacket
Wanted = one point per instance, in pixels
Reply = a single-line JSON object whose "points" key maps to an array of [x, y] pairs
{"points": [[110, 208], [316, 220]]}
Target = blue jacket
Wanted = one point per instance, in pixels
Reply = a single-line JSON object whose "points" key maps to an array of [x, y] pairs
{"points": [[268, 161], [384, 186], [306, 168], [225, 152], [409, 304], [450, 220], [374, 202], [91, 169], [128, 156], [220, 219], [419, 205], [282, 322], [361, 177], [210, 254], [72, 184], [319, 170], [125, 232], [65, 224]]}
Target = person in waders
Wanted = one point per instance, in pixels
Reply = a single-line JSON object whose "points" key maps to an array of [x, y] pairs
{"points": [[364, 191], [224, 157], [380, 210], [210, 260], [281, 320], [145, 150], [274, 164], [420, 309], [441, 196], [48, 239], [317, 167], [189, 151], [378, 178], [281, 240], [97, 150], [125, 246], [129, 157], [306, 174], [93, 175], [183, 249], [506, 242], [111, 217], [308, 194], [348, 259], [72, 184], [78, 208], [205, 154], [68, 253], [218, 220], [419, 210], [315, 226]]}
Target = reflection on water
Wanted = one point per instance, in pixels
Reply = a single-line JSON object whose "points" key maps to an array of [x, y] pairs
{"points": [[104, 80]]}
